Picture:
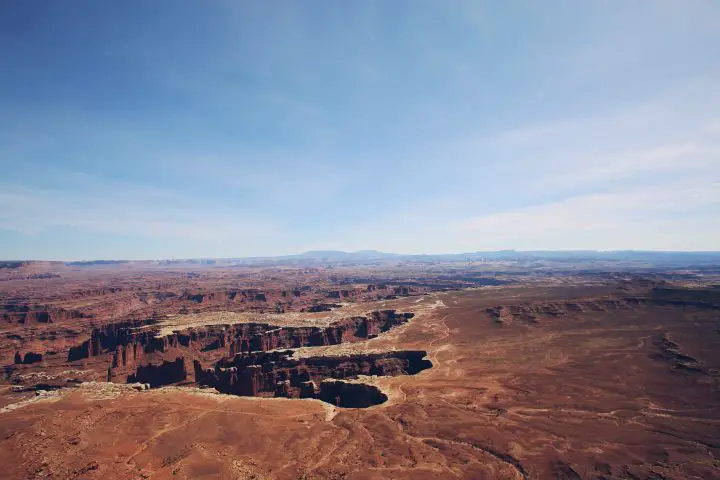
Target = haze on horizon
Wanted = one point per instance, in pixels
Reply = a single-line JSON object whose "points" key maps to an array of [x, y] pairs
{"points": [[140, 130]]}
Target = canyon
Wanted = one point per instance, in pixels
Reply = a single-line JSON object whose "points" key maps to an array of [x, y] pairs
{"points": [[200, 370]]}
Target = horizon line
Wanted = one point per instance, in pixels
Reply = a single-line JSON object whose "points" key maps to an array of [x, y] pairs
{"points": [[367, 251]]}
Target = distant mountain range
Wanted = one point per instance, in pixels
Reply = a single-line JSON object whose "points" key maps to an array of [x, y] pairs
{"points": [[320, 257]]}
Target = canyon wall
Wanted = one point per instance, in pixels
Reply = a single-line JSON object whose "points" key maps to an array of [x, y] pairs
{"points": [[31, 314], [131, 339], [247, 358], [277, 373], [696, 297]]}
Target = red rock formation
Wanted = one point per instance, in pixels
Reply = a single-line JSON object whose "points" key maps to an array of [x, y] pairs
{"points": [[107, 339], [402, 291], [130, 343], [259, 372], [134, 350], [529, 313], [248, 295], [321, 307], [28, 314], [669, 351], [164, 374]]}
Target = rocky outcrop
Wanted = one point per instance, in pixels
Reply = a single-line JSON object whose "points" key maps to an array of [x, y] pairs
{"points": [[96, 292], [300, 291], [29, 314], [669, 351], [266, 372], [128, 342], [678, 296], [223, 296], [401, 291], [166, 373], [696, 297], [108, 338], [251, 358], [531, 312], [321, 307], [346, 293], [347, 330], [28, 270]]}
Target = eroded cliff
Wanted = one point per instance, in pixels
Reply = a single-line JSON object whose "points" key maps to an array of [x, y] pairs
{"points": [[261, 373]]}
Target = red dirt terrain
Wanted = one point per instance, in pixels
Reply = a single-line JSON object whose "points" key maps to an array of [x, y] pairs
{"points": [[157, 371]]}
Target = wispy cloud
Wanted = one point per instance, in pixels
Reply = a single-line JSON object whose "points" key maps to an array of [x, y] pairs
{"points": [[610, 220], [92, 204], [589, 171], [409, 128], [672, 216]]}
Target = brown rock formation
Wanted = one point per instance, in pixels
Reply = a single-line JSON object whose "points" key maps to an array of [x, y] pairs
{"points": [[531, 312], [669, 351], [32, 314], [134, 344], [108, 338], [164, 374], [259, 372], [131, 338], [321, 307]]}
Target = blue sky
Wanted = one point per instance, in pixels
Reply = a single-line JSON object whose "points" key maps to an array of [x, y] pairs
{"points": [[143, 129]]}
